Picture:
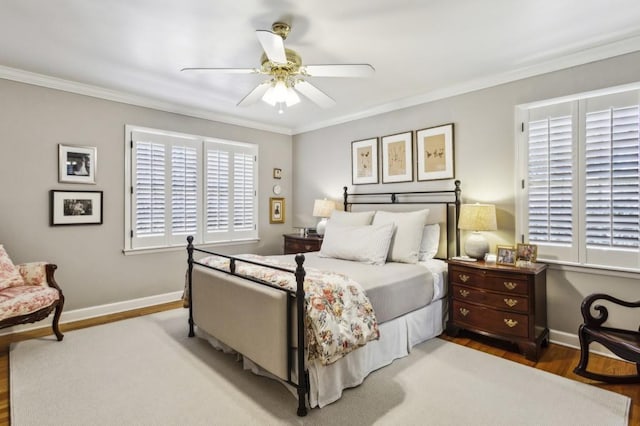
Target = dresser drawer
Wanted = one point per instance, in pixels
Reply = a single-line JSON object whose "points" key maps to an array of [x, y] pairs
{"points": [[508, 283], [494, 281], [469, 277], [511, 302], [490, 320]]}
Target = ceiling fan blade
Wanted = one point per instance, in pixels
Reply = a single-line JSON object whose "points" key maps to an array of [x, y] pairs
{"points": [[273, 46], [343, 70], [225, 70], [315, 94], [255, 94]]}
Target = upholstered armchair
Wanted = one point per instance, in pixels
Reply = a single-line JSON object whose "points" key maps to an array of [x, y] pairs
{"points": [[28, 293]]}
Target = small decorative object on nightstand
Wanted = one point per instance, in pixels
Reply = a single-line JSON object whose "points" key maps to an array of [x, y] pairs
{"points": [[295, 243], [477, 217], [500, 301]]}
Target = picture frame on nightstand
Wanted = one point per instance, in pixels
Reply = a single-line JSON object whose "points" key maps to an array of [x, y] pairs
{"points": [[505, 255]]}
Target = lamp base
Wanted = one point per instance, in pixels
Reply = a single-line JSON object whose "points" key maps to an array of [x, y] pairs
{"points": [[321, 226], [476, 246]]}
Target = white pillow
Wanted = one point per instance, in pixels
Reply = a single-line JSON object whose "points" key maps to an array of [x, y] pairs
{"points": [[366, 244], [405, 244], [430, 242], [351, 218]]}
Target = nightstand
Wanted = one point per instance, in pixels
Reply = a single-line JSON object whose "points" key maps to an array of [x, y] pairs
{"points": [[294, 243], [504, 302]]}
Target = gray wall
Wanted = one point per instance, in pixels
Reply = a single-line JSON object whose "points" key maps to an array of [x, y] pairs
{"points": [[92, 269], [484, 162]]}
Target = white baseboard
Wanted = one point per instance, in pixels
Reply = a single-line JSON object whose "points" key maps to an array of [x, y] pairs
{"points": [[98, 311], [573, 341]]}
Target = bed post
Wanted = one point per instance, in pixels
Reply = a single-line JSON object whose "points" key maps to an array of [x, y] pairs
{"points": [[302, 373], [457, 192], [190, 278], [344, 196]]}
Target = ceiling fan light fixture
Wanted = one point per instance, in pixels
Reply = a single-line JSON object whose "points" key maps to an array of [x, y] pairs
{"points": [[280, 94]]}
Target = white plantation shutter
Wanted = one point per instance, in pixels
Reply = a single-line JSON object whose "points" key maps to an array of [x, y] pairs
{"points": [[217, 198], [149, 161], [182, 185], [184, 190], [582, 202], [612, 184], [231, 191], [551, 180], [243, 192]]}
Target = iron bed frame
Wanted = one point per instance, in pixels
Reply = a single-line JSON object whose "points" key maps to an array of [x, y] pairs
{"points": [[451, 199]]}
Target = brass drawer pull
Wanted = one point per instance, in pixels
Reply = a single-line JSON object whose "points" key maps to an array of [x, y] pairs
{"points": [[509, 285], [464, 278], [464, 293], [511, 323], [511, 302], [464, 311]]}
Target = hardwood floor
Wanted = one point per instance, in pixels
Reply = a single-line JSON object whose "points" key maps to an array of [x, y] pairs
{"points": [[555, 359]]}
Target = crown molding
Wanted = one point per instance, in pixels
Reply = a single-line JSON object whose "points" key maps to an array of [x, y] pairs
{"points": [[605, 51], [621, 47], [36, 79]]}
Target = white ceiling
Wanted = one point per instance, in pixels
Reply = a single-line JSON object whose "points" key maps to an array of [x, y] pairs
{"points": [[133, 50]]}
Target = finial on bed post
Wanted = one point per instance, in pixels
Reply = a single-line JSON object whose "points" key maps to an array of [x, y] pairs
{"points": [[189, 282], [344, 196], [458, 191], [302, 374]]}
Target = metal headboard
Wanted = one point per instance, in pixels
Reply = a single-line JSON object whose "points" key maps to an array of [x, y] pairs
{"points": [[449, 198]]}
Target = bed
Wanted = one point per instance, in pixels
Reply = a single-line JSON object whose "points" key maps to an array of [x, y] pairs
{"points": [[387, 294]]}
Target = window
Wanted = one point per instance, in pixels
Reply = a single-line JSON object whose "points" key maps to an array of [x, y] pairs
{"points": [[581, 185], [179, 185]]}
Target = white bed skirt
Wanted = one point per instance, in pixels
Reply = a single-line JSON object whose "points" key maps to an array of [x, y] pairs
{"points": [[397, 337]]}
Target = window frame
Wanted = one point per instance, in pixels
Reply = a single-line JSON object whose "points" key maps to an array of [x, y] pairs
{"points": [[170, 241], [581, 255]]}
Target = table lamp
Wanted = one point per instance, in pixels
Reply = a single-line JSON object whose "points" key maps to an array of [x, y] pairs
{"points": [[476, 218], [322, 209]]}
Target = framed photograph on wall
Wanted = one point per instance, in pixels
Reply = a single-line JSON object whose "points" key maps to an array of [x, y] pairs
{"points": [[397, 158], [364, 161], [75, 207], [434, 151], [506, 255], [276, 210], [77, 164]]}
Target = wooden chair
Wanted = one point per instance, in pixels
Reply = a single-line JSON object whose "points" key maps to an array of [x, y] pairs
{"points": [[623, 343]]}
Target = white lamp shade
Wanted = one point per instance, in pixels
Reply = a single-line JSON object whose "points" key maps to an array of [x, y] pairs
{"points": [[477, 217], [323, 208]]}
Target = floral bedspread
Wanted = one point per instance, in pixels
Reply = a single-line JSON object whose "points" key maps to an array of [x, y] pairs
{"points": [[339, 317]]}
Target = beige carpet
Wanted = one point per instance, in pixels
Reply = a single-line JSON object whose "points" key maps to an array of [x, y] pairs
{"points": [[145, 371]]}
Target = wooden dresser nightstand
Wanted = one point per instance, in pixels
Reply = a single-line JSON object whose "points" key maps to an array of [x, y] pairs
{"points": [[504, 302], [294, 243]]}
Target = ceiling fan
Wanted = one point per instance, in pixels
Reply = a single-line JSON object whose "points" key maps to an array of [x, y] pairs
{"points": [[286, 73]]}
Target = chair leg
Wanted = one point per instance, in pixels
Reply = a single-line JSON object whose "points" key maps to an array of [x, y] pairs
{"points": [[56, 318], [584, 352]]}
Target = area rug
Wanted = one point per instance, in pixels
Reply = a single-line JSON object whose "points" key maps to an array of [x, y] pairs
{"points": [[146, 371]]}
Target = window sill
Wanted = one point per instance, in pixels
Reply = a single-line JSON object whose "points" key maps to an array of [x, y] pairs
{"points": [[591, 269], [183, 247]]}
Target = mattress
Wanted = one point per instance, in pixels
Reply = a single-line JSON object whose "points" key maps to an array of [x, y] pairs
{"points": [[393, 289]]}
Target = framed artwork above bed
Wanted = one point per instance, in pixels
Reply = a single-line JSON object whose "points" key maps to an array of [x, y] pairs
{"points": [[397, 158], [434, 148], [364, 161]]}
